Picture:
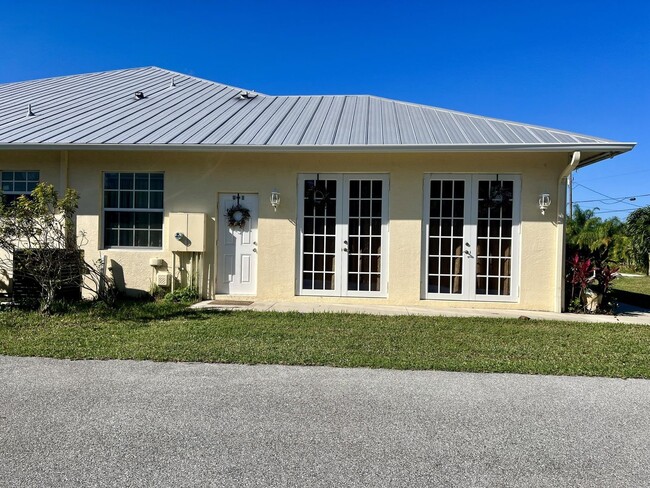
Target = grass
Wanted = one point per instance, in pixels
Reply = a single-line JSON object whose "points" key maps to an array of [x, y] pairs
{"points": [[171, 332], [637, 284]]}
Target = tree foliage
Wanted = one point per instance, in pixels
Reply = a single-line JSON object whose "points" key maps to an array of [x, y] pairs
{"points": [[40, 228], [638, 230]]}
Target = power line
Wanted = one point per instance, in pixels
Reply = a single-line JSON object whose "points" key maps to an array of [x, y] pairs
{"points": [[613, 211], [606, 196], [614, 199]]}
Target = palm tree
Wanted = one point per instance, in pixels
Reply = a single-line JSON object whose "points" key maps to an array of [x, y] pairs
{"points": [[638, 229]]}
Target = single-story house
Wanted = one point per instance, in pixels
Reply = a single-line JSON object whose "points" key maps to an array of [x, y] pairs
{"points": [[355, 199]]}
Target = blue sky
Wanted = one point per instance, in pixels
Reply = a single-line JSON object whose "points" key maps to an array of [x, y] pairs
{"points": [[579, 66]]}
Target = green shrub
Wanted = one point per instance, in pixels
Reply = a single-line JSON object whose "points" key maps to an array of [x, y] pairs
{"points": [[188, 294]]}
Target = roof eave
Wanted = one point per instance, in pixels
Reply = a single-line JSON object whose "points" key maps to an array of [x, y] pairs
{"points": [[603, 150]]}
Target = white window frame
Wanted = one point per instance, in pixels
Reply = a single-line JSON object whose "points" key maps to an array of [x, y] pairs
{"points": [[27, 181], [133, 210], [470, 236], [342, 231]]}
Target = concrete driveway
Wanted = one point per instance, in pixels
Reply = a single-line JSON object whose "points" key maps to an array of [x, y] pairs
{"points": [[126, 423]]}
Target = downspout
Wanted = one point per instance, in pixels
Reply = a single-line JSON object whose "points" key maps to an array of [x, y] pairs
{"points": [[561, 234]]}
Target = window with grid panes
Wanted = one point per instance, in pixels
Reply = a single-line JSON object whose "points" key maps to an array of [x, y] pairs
{"points": [[133, 209], [17, 183]]}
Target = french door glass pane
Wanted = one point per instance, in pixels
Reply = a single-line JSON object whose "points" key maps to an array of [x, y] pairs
{"points": [[446, 221], [494, 237], [364, 235], [319, 236]]}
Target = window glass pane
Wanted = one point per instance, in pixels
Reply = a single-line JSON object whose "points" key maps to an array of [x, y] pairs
{"points": [[156, 199], [126, 199], [32, 176], [111, 238], [7, 186], [31, 185], [111, 181], [156, 181], [110, 199], [156, 220], [126, 181], [155, 238], [20, 176], [141, 238], [7, 175], [126, 238], [142, 181], [127, 220], [142, 220], [20, 186], [141, 199]]}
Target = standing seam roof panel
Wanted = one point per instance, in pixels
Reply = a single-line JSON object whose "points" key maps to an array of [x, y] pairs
{"points": [[225, 117], [345, 123], [472, 134], [67, 109], [274, 112], [524, 134], [279, 134], [315, 125], [202, 106], [390, 129], [359, 133], [375, 135], [406, 131], [490, 135], [420, 126], [264, 132], [331, 122], [169, 110], [302, 122], [89, 120], [231, 130], [140, 112], [205, 117]]}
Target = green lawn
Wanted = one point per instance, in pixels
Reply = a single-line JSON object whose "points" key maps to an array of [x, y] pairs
{"points": [[167, 332], [640, 284]]}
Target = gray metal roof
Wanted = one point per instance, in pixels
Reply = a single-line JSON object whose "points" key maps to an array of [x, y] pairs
{"points": [[100, 109]]}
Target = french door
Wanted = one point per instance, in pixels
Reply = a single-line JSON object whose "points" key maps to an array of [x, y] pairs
{"points": [[471, 237], [342, 233]]}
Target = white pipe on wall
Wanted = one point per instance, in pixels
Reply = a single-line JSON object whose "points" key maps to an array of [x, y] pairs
{"points": [[561, 238]]}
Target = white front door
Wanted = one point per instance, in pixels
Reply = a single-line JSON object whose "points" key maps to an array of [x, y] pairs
{"points": [[343, 240], [471, 237], [237, 245]]}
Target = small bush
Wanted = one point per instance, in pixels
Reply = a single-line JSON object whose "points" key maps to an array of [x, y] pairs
{"points": [[188, 294]]}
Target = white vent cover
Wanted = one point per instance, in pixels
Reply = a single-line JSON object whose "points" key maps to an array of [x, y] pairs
{"points": [[162, 279]]}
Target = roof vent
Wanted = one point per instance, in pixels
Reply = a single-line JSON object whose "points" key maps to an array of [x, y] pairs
{"points": [[245, 95], [138, 95], [172, 83], [29, 111]]}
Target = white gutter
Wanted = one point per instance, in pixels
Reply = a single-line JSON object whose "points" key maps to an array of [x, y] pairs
{"points": [[561, 235], [607, 149]]}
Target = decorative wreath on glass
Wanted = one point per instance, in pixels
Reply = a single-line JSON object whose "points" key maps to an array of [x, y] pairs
{"points": [[318, 194], [238, 216]]}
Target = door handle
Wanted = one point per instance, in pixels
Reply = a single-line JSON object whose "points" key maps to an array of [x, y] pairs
{"points": [[254, 249]]}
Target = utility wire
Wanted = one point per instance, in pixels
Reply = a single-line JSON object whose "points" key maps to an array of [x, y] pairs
{"points": [[606, 196], [613, 199]]}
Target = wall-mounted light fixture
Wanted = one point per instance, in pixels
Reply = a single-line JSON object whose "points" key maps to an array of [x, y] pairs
{"points": [[179, 236], [544, 202], [275, 199]]}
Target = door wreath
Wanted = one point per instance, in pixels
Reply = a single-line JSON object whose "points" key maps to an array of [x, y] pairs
{"points": [[237, 216], [318, 194]]}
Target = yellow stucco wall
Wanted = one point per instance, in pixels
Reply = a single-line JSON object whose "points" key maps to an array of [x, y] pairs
{"points": [[194, 180]]}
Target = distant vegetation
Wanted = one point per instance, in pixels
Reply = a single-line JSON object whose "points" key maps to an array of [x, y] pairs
{"points": [[597, 249]]}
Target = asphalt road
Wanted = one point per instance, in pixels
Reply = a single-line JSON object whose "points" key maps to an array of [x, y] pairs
{"points": [[126, 423]]}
